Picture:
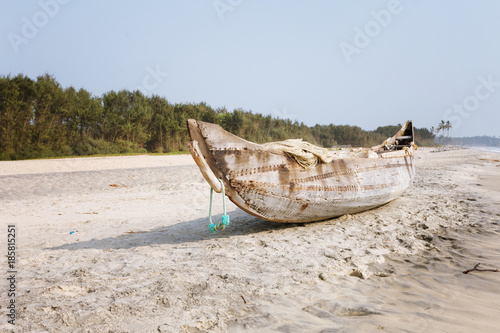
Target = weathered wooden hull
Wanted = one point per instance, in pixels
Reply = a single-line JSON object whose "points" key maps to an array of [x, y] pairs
{"points": [[272, 186]]}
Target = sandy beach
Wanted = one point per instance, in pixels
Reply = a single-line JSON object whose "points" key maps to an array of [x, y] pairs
{"points": [[121, 244]]}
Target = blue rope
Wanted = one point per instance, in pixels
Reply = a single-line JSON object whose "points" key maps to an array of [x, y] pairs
{"points": [[225, 218]]}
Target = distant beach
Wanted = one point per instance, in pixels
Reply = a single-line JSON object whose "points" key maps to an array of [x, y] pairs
{"points": [[488, 149], [121, 244]]}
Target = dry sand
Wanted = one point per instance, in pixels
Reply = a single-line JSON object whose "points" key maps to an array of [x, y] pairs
{"points": [[141, 258]]}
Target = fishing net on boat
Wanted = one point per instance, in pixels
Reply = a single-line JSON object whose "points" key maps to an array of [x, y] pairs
{"points": [[308, 155]]}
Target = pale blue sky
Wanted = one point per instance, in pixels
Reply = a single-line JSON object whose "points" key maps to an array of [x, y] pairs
{"points": [[365, 63]]}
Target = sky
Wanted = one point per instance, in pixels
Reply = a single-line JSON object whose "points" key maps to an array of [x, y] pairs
{"points": [[364, 63]]}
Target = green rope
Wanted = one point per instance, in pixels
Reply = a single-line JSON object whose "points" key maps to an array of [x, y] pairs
{"points": [[225, 218]]}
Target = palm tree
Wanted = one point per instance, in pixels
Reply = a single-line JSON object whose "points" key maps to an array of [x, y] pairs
{"points": [[444, 126], [441, 127], [448, 126]]}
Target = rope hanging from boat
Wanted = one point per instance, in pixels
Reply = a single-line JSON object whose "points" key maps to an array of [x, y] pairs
{"points": [[225, 218]]}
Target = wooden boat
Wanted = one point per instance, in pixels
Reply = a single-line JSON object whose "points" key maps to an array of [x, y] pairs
{"points": [[272, 185]]}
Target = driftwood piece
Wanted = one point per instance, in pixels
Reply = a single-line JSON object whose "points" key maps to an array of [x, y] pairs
{"points": [[479, 270]]}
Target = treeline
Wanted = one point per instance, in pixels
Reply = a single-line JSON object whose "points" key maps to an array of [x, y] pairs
{"points": [[39, 118], [477, 141]]}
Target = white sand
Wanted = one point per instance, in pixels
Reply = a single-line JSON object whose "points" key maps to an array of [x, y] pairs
{"points": [[141, 258], [91, 164]]}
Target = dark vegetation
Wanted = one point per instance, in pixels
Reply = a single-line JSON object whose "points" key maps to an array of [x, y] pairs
{"points": [[39, 118]]}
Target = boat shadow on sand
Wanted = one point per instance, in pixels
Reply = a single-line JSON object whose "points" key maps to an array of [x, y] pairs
{"points": [[183, 232]]}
